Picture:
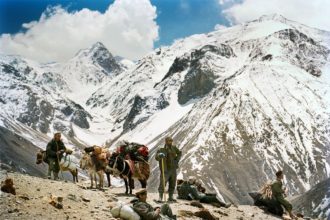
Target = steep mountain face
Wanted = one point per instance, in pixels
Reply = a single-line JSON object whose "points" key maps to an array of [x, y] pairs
{"points": [[48, 97], [316, 201], [26, 99], [241, 103]]}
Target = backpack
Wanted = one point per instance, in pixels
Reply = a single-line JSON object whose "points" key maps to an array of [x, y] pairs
{"points": [[266, 191], [124, 211]]}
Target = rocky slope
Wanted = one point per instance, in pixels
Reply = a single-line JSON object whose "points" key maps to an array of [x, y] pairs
{"points": [[34, 194], [315, 201]]}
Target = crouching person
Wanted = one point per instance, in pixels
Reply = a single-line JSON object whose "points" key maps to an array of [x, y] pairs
{"points": [[188, 191], [147, 212], [279, 193]]}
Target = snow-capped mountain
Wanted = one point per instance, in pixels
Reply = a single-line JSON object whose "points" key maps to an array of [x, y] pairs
{"points": [[49, 97], [240, 102], [316, 201]]}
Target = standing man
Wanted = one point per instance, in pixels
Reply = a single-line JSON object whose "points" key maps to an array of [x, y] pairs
{"points": [[278, 193], [54, 151], [169, 157]]}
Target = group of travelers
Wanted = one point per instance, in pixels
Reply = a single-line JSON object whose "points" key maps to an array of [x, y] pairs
{"points": [[169, 157]]}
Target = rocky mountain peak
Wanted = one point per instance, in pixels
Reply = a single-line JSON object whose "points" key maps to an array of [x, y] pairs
{"points": [[100, 55], [272, 17]]}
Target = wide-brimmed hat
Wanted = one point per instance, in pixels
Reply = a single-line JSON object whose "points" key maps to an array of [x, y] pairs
{"points": [[141, 191]]}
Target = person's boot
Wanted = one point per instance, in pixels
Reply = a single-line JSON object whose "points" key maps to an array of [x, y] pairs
{"points": [[55, 176], [226, 205], [170, 198], [160, 198]]}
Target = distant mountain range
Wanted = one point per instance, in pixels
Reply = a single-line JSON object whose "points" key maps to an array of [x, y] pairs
{"points": [[240, 102]]}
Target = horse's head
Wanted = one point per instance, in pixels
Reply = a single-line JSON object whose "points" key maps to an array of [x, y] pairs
{"points": [[112, 159], [116, 163], [85, 161], [40, 156]]}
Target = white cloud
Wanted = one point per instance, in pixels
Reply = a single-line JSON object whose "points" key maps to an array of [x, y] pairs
{"points": [[218, 27], [225, 2], [127, 28], [313, 13]]}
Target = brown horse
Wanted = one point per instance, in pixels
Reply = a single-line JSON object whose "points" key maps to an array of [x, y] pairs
{"points": [[94, 167], [100, 157], [65, 164]]}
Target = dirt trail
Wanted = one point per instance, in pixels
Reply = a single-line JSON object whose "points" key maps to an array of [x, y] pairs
{"points": [[33, 196]]}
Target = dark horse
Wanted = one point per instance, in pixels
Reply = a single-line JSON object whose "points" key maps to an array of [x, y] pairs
{"points": [[121, 168]]}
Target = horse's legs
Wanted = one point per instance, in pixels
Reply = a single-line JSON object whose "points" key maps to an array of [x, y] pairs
{"points": [[77, 175], [73, 176], [95, 179], [101, 179], [126, 185], [130, 183], [108, 178], [91, 176], [143, 183]]}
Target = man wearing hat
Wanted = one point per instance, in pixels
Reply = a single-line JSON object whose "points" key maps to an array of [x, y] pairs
{"points": [[169, 156], [54, 151], [147, 212]]}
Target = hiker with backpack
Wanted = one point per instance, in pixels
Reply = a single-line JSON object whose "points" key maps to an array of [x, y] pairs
{"points": [[188, 191], [271, 197], [147, 212], [168, 157], [278, 193], [54, 152]]}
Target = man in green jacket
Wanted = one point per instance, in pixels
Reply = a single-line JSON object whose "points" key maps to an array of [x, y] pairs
{"points": [[188, 191], [147, 212], [278, 193], [169, 155], [54, 151]]}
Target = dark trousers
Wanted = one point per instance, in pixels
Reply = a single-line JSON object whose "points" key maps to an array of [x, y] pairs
{"points": [[211, 199], [53, 166], [166, 211], [170, 178]]}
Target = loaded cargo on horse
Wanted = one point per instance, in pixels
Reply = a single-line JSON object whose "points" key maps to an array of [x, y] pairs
{"points": [[66, 163], [130, 161]]}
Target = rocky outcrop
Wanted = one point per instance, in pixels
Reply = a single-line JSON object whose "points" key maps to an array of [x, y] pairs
{"points": [[197, 83], [303, 51], [315, 202], [39, 113], [104, 58], [138, 105]]}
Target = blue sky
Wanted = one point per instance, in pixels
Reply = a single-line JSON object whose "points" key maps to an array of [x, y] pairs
{"points": [[176, 19], [54, 30]]}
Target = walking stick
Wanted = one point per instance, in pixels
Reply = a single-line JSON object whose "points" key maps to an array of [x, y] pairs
{"points": [[163, 174]]}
